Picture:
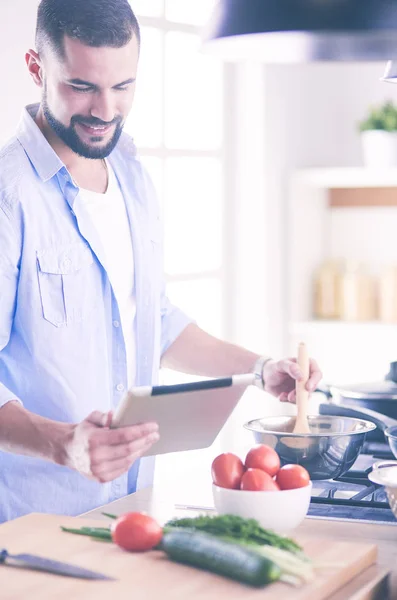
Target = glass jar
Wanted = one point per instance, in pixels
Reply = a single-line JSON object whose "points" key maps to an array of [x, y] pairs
{"points": [[388, 294], [327, 283], [358, 293]]}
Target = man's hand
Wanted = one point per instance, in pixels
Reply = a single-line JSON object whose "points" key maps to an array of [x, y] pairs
{"points": [[280, 377], [103, 454]]}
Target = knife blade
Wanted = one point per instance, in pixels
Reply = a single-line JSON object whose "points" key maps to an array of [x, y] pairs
{"points": [[47, 565]]}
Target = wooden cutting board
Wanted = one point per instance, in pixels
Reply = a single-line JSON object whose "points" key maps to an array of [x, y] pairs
{"points": [[149, 576], [371, 584]]}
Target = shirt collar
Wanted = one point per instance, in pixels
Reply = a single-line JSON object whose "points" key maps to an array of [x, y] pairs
{"points": [[44, 159]]}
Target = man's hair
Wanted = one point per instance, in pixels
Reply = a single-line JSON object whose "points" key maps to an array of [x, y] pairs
{"points": [[93, 22]]}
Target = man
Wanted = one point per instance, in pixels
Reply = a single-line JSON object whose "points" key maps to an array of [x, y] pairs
{"points": [[83, 313]]}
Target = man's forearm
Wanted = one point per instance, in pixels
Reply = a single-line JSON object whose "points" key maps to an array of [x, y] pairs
{"points": [[23, 432], [199, 353]]}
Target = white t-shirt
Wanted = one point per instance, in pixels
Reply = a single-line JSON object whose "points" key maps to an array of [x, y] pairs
{"points": [[109, 216]]}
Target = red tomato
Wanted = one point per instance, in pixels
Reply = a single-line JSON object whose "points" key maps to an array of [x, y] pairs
{"points": [[136, 532], [227, 470], [257, 480], [263, 457], [291, 477]]}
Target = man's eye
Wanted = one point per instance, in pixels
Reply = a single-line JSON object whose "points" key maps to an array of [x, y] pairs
{"points": [[123, 88], [77, 88]]}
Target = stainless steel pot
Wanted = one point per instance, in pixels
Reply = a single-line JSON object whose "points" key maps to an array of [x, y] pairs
{"points": [[379, 396], [327, 452]]}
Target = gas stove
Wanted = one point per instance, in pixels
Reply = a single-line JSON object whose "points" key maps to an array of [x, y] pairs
{"points": [[353, 497]]}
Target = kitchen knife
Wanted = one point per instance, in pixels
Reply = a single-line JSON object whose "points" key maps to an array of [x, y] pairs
{"points": [[30, 561]]}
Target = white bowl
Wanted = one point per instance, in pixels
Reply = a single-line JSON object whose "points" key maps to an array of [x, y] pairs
{"points": [[281, 511]]}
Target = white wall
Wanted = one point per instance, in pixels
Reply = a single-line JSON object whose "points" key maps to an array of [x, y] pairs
{"points": [[17, 27]]}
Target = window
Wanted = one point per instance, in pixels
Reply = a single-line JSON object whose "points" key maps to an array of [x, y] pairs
{"points": [[178, 125]]}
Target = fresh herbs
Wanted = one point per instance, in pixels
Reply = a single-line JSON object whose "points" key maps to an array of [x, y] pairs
{"points": [[238, 529]]}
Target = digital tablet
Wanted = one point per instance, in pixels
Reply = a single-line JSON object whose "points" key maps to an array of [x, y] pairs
{"points": [[189, 415]]}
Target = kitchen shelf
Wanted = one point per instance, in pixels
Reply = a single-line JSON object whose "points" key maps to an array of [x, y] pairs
{"points": [[311, 221], [316, 231]]}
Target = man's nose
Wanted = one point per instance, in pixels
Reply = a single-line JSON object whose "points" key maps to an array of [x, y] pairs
{"points": [[102, 107]]}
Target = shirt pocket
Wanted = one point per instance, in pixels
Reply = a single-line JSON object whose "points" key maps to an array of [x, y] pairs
{"points": [[64, 283]]}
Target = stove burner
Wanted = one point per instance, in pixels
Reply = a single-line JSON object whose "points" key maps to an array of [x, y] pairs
{"points": [[353, 496]]}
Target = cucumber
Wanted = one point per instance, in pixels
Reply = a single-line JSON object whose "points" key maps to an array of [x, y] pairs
{"points": [[229, 559]]}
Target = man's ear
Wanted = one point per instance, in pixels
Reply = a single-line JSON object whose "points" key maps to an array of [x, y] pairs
{"points": [[35, 68]]}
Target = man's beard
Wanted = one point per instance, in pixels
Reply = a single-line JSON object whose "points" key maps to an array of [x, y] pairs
{"points": [[69, 136]]}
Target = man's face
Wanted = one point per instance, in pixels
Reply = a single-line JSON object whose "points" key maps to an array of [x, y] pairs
{"points": [[88, 93]]}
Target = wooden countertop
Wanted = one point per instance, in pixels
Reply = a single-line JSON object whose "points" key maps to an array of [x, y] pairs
{"points": [[161, 504]]}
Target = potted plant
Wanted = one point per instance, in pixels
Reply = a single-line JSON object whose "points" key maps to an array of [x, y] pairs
{"points": [[379, 136]]}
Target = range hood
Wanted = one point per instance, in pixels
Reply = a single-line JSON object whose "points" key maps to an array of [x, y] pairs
{"points": [[296, 31]]}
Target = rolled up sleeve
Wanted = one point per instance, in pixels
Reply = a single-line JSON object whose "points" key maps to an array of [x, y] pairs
{"points": [[9, 273]]}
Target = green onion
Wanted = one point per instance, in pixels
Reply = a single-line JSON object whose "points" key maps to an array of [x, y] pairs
{"points": [[101, 533]]}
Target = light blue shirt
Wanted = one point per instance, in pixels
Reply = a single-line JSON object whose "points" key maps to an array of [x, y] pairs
{"points": [[62, 351]]}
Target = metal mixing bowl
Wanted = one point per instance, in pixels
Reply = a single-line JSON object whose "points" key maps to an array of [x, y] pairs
{"points": [[328, 451]]}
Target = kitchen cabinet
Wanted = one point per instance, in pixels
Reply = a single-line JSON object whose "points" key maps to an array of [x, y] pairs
{"points": [[333, 214]]}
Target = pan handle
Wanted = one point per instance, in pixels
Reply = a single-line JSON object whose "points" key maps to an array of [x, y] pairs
{"points": [[325, 389], [341, 410]]}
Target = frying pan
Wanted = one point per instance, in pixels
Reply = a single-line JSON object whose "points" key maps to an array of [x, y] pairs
{"points": [[328, 451]]}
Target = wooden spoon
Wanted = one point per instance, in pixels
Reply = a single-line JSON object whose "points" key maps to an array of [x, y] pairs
{"points": [[302, 395]]}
